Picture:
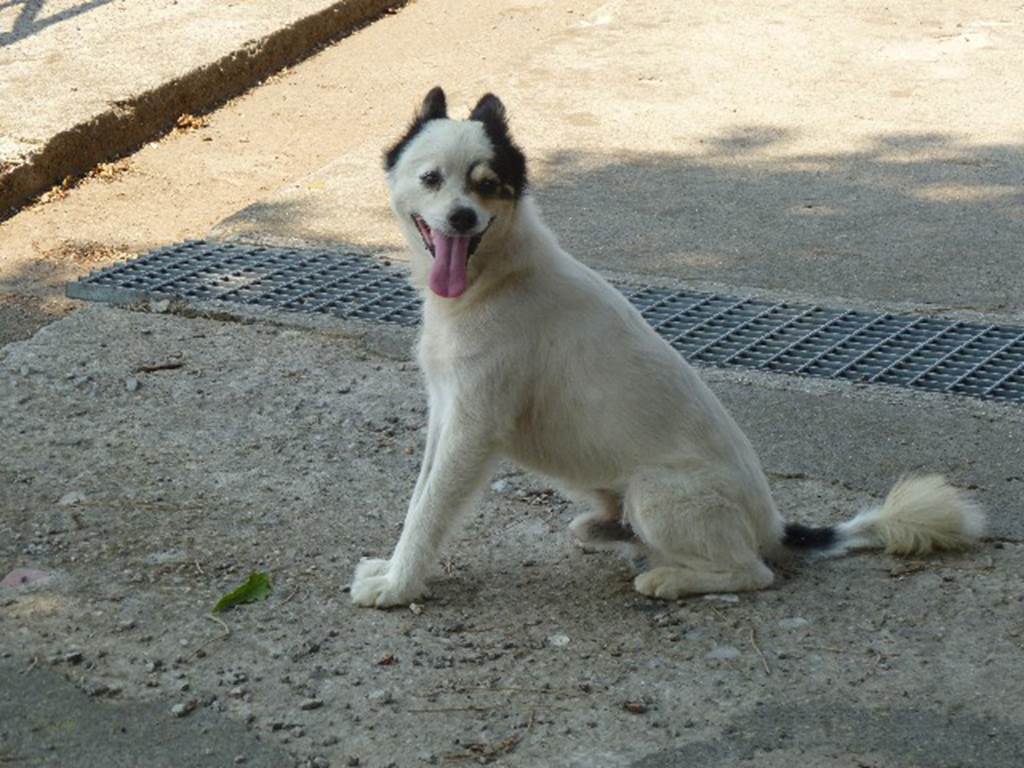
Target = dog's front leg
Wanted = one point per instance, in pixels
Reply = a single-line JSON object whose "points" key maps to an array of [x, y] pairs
{"points": [[455, 467]]}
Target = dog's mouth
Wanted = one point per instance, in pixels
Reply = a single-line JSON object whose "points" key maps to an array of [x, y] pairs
{"points": [[451, 256]]}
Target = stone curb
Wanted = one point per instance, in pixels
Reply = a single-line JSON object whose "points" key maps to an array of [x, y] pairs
{"points": [[127, 124]]}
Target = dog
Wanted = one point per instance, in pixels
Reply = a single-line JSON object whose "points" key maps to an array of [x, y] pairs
{"points": [[530, 355]]}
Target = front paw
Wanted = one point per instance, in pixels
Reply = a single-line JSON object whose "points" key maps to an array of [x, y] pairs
{"points": [[373, 586]]}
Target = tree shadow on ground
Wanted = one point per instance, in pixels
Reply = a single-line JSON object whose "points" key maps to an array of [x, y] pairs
{"points": [[920, 217], [28, 20], [923, 219]]}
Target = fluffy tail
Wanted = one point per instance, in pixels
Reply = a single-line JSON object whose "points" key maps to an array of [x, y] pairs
{"points": [[920, 515]]}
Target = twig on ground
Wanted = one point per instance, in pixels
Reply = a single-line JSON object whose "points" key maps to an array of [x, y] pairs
{"points": [[753, 642], [168, 366], [487, 752], [212, 640], [475, 630], [227, 629], [506, 689], [828, 648], [484, 707]]}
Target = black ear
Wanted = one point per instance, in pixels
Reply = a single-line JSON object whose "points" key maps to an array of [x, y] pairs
{"points": [[434, 107], [509, 162], [490, 110]]}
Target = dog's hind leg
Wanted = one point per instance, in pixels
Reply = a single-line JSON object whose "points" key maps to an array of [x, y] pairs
{"points": [[670, 582], [605, 526], [700, 540]]}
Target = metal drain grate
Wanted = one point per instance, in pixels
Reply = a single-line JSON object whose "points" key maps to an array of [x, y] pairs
{"points": [[984, 361], [292, 279]]}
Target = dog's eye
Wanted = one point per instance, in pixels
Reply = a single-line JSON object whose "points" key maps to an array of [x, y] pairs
{"points": [[432, 179], [487, 187]]}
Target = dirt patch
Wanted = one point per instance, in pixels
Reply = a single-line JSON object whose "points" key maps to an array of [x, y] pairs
{"points": [[87, 254], [21, 316]]}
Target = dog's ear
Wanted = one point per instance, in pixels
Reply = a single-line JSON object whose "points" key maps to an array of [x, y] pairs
{"points": [[434, 107], [490, 111], [509, 162]]}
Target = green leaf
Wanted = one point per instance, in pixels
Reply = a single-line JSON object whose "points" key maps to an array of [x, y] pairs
{"points": [[258, 587]]}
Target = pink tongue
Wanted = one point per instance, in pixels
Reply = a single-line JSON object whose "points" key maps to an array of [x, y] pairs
{"points": [[448, 273]]}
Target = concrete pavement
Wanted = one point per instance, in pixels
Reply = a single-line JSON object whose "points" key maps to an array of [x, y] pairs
{"points": [[293, 451], [83, 83], [844, 152], [50, 721], [676, 143]]}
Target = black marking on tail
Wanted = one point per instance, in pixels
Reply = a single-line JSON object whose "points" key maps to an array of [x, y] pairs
{"points": [[799, 536]]}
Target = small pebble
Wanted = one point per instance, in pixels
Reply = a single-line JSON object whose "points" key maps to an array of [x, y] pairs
{"points": [[635, 707], [722, 598], [180, 710], [380, 696], [23, 576], [794, 623], [311, 704], [97, 689], [131, 384], [722, 653]]}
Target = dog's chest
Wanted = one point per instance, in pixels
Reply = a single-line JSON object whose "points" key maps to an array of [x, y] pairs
{"points": [[459, 363]]}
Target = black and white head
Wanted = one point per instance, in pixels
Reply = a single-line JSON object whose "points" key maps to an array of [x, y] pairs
{"points": [[454, 187]]}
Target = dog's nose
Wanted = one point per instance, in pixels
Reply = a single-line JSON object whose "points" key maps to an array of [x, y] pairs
{"points": [[462, 219]]}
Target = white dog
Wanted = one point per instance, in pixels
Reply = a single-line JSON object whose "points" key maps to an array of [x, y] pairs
{"points": [[530, 355]]}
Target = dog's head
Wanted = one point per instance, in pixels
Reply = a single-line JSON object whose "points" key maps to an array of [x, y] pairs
{"points": [[454, 187]]}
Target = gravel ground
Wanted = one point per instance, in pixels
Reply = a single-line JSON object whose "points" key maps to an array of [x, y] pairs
{"points": [[152, 461]]}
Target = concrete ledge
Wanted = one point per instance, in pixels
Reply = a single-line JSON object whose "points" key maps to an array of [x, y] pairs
{"points": [[126, 123]]}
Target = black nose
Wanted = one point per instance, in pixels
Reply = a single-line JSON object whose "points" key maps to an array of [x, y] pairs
{"points": [[462, 219]]}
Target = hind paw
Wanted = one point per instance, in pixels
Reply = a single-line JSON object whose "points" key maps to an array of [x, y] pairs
{"points": [[662, 583]]}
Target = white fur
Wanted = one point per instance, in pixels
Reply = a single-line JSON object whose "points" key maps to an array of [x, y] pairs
{"points": [[543, 362], [920, 515]]}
